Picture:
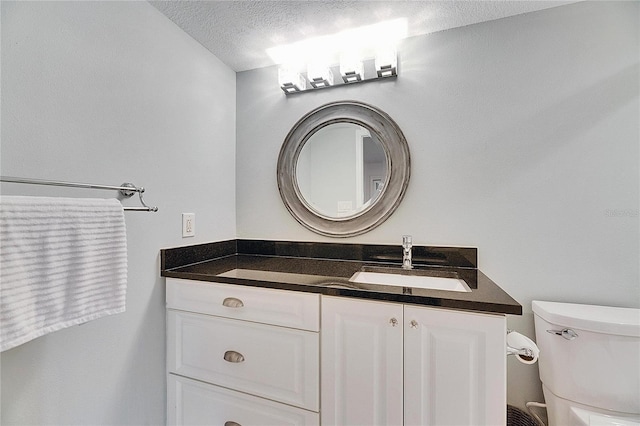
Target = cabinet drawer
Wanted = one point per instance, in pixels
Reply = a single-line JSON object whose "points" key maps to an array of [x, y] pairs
{"points": [[195, 403], [272, 362], [268, 306]]}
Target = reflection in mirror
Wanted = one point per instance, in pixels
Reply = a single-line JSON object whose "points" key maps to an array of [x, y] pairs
{"points": [[341, 169]]}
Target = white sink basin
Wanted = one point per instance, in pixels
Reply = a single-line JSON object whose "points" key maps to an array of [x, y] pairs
{"points": [[415, 281]]}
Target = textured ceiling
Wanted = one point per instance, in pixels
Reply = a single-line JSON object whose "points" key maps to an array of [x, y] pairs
{"points": [[239, 32]]}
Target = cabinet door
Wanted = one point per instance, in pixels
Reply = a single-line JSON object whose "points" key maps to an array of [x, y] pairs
{"points": [[455, 368], [361, 362], [190, 402]]}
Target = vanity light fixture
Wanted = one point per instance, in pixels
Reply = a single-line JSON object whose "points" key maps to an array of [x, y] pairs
{"points": [[351, 68], [290, 80], [319, 75], [350, 52], [386, 63]]}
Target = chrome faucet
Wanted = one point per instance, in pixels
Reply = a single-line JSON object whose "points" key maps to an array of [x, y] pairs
{"points": [[406, 252]]}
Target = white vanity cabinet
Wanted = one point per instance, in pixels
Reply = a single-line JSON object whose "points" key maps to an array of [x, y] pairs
{"points": [[394, 364], [240, 355]]}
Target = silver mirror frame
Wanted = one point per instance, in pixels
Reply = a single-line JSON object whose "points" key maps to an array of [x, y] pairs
{"points": [[398, 168]]}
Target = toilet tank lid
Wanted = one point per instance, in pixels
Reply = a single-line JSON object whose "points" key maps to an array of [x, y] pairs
{"points": [[599, 319]]}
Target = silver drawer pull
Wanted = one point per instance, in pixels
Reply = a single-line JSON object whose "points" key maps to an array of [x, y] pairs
{"points": [[413, 324], [232, 302], [230, 423], [567, 333], [393, 322], [233, 356]]}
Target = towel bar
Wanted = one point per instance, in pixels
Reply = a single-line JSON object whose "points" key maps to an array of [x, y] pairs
{"points": [[126, 189]]}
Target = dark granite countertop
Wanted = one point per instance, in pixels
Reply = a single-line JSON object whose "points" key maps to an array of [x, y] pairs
{"points": [[326, 268]]}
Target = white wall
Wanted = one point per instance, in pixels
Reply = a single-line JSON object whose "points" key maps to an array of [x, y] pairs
{"points": [[107, 92], [524, 138]]}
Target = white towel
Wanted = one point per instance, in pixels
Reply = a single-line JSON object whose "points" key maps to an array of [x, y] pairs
{"points": [[63, 261]]}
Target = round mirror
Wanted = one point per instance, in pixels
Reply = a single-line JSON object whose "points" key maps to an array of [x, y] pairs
{"points": [[343, 169]]}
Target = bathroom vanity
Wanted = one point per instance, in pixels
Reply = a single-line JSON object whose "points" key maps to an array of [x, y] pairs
{"points": [[272, 332]]}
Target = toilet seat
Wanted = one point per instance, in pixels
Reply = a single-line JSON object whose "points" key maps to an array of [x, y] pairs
{"points": [[583, 417]]}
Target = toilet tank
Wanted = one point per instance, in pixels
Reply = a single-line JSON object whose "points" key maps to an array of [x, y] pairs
{"points": [[599, 367]]}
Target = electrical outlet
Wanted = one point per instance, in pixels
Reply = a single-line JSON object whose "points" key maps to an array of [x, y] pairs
{"points": [[188, 224]]}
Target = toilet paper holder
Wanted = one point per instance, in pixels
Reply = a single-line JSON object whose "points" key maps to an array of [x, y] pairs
{"points": [[525, 352]]}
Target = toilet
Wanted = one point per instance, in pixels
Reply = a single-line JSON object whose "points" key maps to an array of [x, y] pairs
{"points": [[589, 363]]}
